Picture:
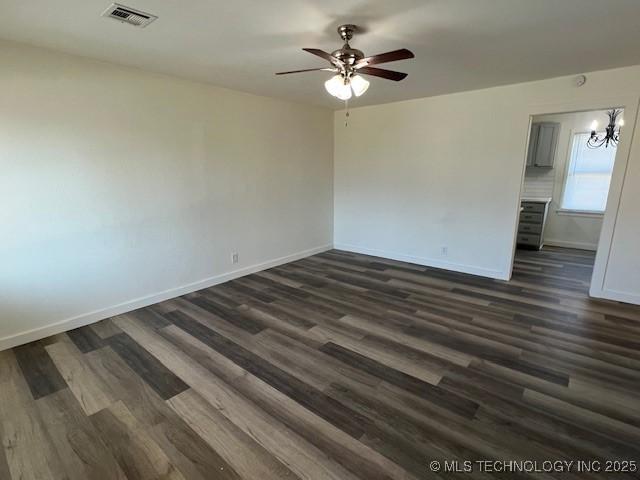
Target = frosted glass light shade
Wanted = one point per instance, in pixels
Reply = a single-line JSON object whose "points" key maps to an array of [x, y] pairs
{"points": [[333, 85], [336, 86], [359, 85]]}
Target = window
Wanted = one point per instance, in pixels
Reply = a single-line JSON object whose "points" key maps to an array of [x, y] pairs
{"points": [[588, 176]]}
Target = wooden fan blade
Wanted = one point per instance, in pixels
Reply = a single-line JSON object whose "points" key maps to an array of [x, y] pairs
{"points": [[381, 72], [322, 54], [307, 70], [401, 54]]}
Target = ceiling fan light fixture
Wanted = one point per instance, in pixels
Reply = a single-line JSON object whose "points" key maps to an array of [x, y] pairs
{"points": [[359, 85], [350, 64], [338, 87]]}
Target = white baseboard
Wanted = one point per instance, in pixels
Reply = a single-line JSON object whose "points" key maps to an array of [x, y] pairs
{"points": [[97, 315], [564, 244], [615, 295], [427, 262]]}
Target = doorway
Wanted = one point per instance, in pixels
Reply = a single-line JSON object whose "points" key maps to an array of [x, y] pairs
{"points": [[571, 185]]}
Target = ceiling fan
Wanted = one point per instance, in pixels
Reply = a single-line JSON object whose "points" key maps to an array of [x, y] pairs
{"points": [[349, 63]]}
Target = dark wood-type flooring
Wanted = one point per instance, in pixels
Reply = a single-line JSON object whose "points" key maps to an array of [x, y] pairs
{"points": [[339, 366]]}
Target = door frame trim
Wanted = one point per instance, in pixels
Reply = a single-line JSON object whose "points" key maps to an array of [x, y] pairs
{"points": [[630, 103]]}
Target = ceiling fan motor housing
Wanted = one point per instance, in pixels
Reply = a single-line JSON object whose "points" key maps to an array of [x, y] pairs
{"points": [[348, 61], [346, 31], [347, 55]]}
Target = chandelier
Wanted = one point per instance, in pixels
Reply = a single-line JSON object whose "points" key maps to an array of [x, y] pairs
{"points": [[611, 136]]}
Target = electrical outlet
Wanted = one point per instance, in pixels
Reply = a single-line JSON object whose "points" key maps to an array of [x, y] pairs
{"points": [[234, 258], [444, 251]]}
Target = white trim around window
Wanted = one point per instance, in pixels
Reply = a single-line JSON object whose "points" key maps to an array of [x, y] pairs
{"points": [[580, 213]]}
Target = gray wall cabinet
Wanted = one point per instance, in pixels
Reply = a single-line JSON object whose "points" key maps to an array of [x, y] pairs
{"points": [[542, 144]]}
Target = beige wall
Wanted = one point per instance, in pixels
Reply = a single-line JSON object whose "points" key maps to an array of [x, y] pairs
{"points": [[121, 187], [416, 176]]}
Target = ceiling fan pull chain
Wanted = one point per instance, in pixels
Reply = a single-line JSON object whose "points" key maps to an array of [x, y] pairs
{"points": [[346, 116]]}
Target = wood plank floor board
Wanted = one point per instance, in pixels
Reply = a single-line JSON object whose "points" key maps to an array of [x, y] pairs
{"points": [[38, 369], [392, 429], [283, 310], [162, 307], [529, 340], [273, 276], [501, 442], [550, 334], [338, 366], [91, 393], [413, 363], [396, 333], [182, 446], [226, 295], [105, 328], [151, 317], [21, 426], [561, 348], [137, 454], [280, 288], [194, 457], [277, 323], [86, 339], [236, 292], [77, 442], [535, 444], [618, 431], [473, 345], [216, 363], [541, 425], [245, 455], [310, 362], [340, 446], [583, 394], [579, 365], [299, 276], [299, 455], [314, 272], [128, 387], [430, 433], [230, 315], [304, 394], [165, 383], [209, 320], [312, 307], [347, 451], [420, 388]]}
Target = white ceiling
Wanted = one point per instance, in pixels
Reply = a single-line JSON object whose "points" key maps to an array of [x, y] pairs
{"points": [[459, 44]]}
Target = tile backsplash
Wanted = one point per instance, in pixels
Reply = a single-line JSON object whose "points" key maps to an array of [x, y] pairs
{"points": [[538, 182]]}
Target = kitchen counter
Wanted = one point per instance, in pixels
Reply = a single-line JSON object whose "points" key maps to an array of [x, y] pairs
{"points": [[536, 199]]}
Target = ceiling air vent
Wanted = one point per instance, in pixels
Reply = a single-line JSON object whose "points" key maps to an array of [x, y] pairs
{"points": [[129, 15]]}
